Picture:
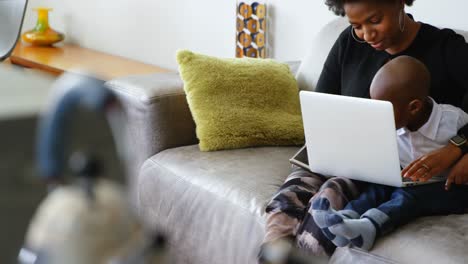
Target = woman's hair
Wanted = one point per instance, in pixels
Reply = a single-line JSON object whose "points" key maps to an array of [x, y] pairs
{"points": [[337, 6]]}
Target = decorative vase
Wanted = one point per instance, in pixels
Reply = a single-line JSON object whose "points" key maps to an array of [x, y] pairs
{"points": [[42, 34]]}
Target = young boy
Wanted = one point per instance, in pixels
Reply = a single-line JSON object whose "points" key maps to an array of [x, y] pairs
{"points": [[422, 126]]}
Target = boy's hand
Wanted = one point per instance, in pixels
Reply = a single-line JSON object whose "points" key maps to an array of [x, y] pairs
{"points": [[459, 173], [432, 164]]}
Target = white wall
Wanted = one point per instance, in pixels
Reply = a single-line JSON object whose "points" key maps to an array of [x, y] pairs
{"points": [[152, 30]]}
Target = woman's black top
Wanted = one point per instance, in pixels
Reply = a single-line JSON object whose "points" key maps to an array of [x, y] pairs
{"points": [[351, 65]]}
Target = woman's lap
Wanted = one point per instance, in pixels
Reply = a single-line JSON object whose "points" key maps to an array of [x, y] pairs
{"points": [[286, 209]]}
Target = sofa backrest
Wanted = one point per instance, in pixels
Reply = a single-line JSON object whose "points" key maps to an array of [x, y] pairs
{"points": [[311, 66]]}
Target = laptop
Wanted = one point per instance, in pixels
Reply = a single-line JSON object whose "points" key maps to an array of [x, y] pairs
{"points": [[351, 137]]}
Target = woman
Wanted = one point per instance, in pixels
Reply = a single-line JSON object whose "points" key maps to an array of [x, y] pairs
{"points": [[380, 30]]}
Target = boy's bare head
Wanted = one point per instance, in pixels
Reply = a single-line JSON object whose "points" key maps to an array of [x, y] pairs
{"points": [[405, 82], [402, 79]]}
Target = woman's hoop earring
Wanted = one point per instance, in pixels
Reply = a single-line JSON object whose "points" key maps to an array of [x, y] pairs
{"points": [[355, 38], [401, 18]]}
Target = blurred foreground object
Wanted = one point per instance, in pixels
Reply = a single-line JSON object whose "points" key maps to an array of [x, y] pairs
{"points": [[42, 34], [89, 221], [11, 20], [283, 251]]}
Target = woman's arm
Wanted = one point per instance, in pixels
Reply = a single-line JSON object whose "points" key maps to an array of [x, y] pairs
{"points": [[434, 163], [456, 58], [456, 64]]}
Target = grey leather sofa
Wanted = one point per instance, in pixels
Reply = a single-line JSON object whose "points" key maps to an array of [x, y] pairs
{"points": [[211, 204]]}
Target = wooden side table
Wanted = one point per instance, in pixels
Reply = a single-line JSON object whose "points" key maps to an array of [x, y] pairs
{"points": [[67, 57]]}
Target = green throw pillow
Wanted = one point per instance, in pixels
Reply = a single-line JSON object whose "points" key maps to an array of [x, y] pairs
{"points": [[239, 103]]}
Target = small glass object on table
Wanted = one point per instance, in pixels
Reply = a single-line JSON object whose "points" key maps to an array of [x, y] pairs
{"points": [[42, 34]]}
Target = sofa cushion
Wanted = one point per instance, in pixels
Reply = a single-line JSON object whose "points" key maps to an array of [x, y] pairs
{"points": [[212, 203], [441, 239], [239, 103], [435, 239]]}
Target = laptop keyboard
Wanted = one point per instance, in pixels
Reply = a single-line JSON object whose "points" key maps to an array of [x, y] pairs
{"points": [[435, 179]]}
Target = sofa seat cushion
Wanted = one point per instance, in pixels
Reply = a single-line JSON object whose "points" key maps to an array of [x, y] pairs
{"points": [[435, 239], [441, 239], [212, 204]]}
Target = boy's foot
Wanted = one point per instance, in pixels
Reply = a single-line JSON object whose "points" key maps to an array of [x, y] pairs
{"points": [[360, 232], [325, 217], [338, 241]]}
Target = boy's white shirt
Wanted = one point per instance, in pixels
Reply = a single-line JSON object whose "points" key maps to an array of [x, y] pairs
{"points": [[443, 124]]}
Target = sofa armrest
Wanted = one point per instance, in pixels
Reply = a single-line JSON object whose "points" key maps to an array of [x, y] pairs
{"points": [[157, 112]]}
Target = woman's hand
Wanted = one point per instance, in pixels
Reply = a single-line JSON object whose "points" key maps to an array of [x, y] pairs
{"points": [[459, 173], [434, 163]]}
